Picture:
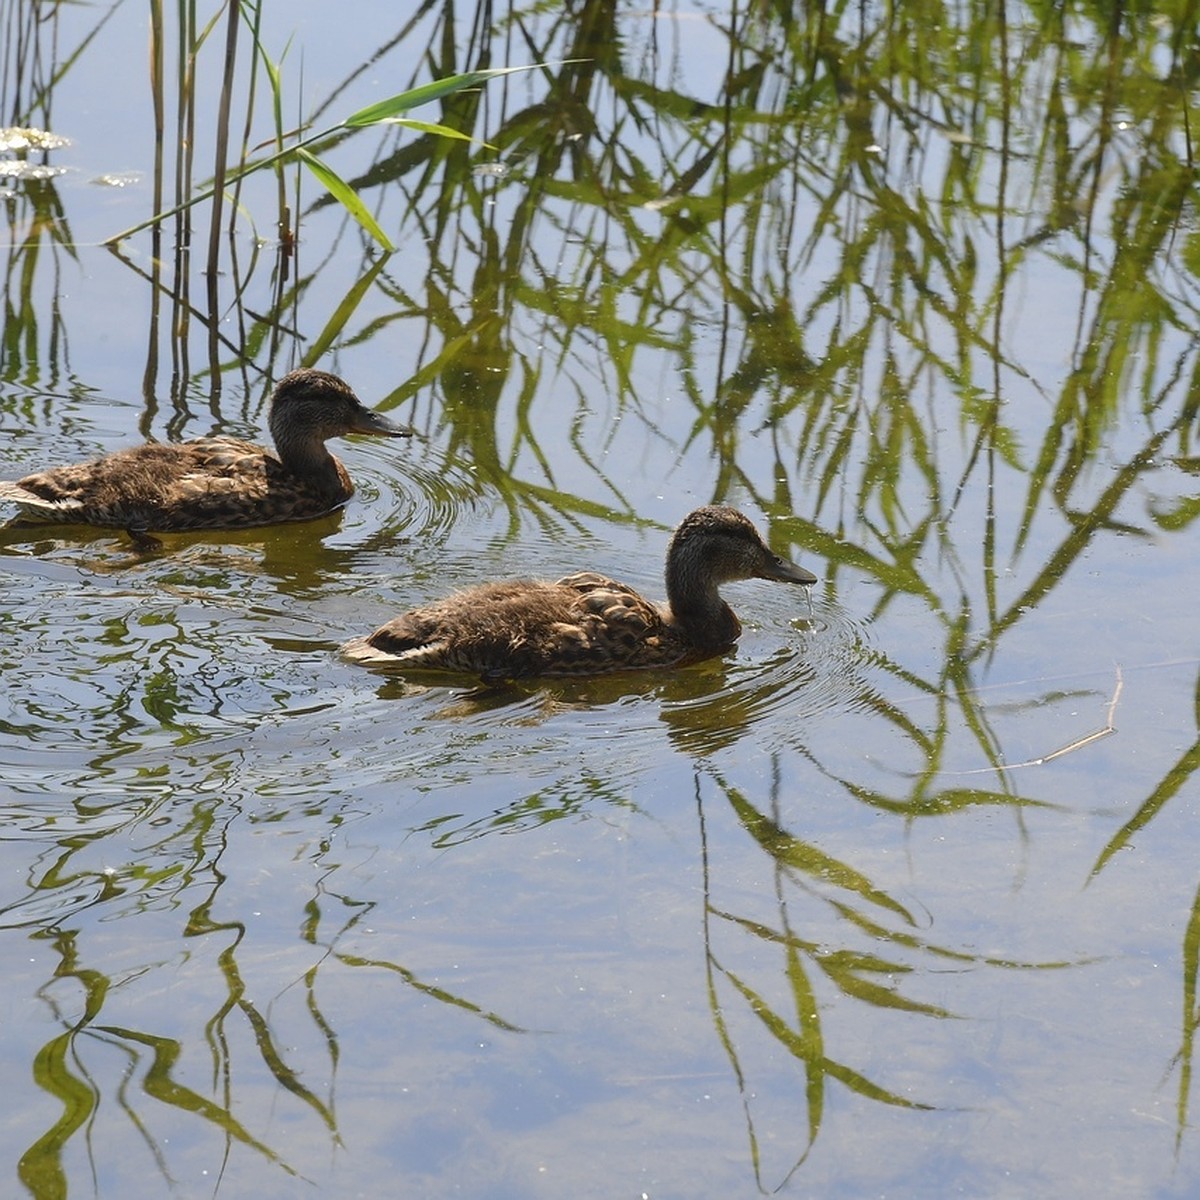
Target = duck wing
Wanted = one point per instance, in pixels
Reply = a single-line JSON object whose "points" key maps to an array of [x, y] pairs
{"points": [[611, 627], [606, 609]]}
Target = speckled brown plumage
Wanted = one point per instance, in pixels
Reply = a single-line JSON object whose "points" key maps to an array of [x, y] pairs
{"points": [[588, 624], [215, 482]]}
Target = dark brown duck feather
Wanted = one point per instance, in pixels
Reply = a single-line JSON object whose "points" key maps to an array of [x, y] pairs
{"points": [[215, 482], [588, 624]]}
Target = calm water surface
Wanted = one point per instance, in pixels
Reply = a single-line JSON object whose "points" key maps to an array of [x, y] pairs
{"points": [[900, 898]]}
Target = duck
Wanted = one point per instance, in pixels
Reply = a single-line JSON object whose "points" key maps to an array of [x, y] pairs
{"points": [[586, 623], [215, 482]]}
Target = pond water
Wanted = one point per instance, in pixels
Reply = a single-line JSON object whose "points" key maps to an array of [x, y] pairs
{"points": [[897, 898]]}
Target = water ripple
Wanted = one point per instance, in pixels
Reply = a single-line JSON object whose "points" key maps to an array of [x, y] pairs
{"points": [[419, 492]]}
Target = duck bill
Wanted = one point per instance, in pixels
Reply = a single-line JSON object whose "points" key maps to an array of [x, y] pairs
{"points": [[788, 572], [375, 424]]}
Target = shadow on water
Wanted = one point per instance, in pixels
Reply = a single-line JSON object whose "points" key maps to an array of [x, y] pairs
{"points": [[916, 283]]}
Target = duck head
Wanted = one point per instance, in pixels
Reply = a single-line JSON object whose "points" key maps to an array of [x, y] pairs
{"points": [[718, 544], [309, 405]]}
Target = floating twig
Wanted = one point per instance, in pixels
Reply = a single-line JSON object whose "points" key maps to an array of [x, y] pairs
{"points": [[1078, 744]]}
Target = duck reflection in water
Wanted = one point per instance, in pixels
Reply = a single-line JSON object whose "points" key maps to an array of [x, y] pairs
{"points": [[587, 624]]}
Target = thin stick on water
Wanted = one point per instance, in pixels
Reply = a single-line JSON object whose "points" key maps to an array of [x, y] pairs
{"points": [[1078, 744]]}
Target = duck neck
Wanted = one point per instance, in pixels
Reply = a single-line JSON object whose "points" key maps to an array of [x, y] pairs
{"points": [[697, 607], [305, 456]]}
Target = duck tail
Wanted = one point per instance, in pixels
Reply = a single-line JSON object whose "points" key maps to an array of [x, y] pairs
{"points": [[30, 504]]}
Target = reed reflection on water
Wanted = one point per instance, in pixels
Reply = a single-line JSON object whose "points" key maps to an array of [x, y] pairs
{"points": [[899, 898]]}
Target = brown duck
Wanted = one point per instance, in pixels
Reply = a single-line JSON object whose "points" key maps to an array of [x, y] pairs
{"points": [[215, 482], [587, 624]]}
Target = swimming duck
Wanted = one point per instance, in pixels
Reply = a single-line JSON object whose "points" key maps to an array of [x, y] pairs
{"points": [[588, 624], [215, 482]]}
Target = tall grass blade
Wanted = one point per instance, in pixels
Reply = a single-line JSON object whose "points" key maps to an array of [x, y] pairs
{"points": [[345, 195], [398, 105]]}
